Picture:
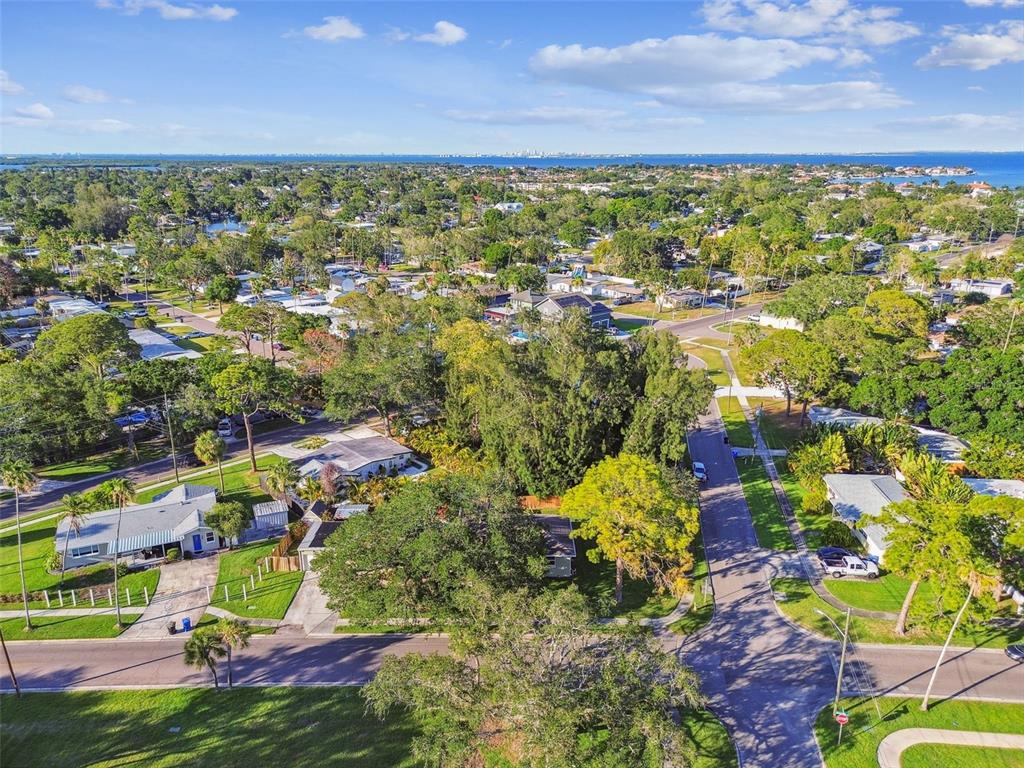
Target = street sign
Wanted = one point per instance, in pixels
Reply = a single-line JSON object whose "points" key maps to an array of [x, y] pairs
{"points": [[842, 718]]}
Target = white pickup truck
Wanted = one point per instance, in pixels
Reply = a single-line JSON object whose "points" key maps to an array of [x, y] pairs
{"points": [[848, 565]]}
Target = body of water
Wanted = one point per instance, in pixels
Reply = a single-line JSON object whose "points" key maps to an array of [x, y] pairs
{"points": [[997, 168]]}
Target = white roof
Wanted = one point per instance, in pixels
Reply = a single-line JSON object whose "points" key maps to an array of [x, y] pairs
{"points": [[994, 487], [354, 454], [857, 496], [155, 346]]}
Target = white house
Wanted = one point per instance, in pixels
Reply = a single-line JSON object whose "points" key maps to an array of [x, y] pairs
{"points": [[784, 323], [359, 457], [508, 207], [62, 309], [994, 289], [153, 346], [855, 497], [173, 520]]}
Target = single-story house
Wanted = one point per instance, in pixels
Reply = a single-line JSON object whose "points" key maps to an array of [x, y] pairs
{"points": [[561, 547], [270, 515], [994, 289], [784, 323], [315, 540], [62, 309], [173, 520], [996, 487], [153, 346], [359, 457], [679, 299], [941, 445], [508, 207], [558, 307], [855, 497]]}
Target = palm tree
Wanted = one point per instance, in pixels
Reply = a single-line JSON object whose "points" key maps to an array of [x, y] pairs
{"points": [[74, 507], [281, 477], [203, 649], [17, 475], [233, 634], [209, 449], [924, 271], [121, 490], [310, 490]]}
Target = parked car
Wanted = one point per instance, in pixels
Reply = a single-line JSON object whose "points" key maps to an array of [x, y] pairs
{"points": [[225, 428], [195, 335], [700, 472], [833, 552], [848, 565], [1015, 652]]}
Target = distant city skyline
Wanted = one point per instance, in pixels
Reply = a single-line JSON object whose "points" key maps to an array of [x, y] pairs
{"points": [[726, 76]]}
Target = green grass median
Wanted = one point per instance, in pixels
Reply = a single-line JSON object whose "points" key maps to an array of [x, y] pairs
{"points": [[865, 731], [769, 524]]}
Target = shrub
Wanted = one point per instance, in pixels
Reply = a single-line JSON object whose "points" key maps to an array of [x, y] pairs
{"points": [[173, 555], [815, 502], [122, 570], [837, 534], [53, 560], [145, 322]]}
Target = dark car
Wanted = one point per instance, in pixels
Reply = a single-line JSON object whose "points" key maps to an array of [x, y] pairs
{"points": [[1015, 652], [831, 552]]}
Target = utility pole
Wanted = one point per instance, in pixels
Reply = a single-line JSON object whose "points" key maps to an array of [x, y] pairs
{"points": [[170, 434], [842, 662], [10, 667]]}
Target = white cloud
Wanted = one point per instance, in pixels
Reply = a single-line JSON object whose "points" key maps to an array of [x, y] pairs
{"points": [[996, 44], [333, 29], [8, 87], [170, 11], [535, 115], [35, 111], [445, 33], [962, 121], [990, 3], [83, 94], [709, 71], [824, 19], [977, 88]]}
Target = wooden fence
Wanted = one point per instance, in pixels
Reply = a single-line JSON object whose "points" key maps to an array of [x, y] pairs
{"points": [[279, 559]]}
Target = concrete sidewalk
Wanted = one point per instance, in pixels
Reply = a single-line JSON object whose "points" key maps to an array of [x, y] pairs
{"points": [[44, 612], [892, 746]]}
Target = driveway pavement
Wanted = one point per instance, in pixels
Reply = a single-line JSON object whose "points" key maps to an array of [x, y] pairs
{"points": [[308, 614], [180, 593]]}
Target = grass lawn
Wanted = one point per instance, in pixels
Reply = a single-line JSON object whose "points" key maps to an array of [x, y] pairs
{"points": [[864, 732], [63, 628], [37, 543], [629, 326], [80, 469], [244, 726], [931, 755], [885, 593], [713, 359], [703, 607], [735, 423], [714, 747], [769, 524], [272, 596], [778, 430], [597, 581], [801, 603], [650, 309], [239, 483]]}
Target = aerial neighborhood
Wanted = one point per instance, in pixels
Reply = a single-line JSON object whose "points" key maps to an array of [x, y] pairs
{"points": [[493, 385], [333, 405]]}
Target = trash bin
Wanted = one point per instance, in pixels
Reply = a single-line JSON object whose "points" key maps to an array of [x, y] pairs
{"points": [[186, 624], [171, 628]]}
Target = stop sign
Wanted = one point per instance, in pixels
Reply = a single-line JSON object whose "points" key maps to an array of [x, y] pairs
{"points": [[842, 718]]}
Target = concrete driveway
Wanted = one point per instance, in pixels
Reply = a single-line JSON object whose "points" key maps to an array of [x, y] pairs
{"points": [[180, 593], [308, 614]]}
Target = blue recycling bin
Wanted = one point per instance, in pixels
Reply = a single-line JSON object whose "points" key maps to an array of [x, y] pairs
{"points": [[186, 624]]}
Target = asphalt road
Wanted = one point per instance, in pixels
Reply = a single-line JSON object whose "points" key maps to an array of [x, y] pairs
{"points": [[768, 679], [698, 327], [163, 470], [269, 660]]}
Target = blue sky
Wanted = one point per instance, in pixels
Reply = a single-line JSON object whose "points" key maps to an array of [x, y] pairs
{"points": [[609, 77]]}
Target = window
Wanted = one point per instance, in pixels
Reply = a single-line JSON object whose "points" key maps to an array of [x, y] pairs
{"points": [[209, 536], [85, 551]]}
